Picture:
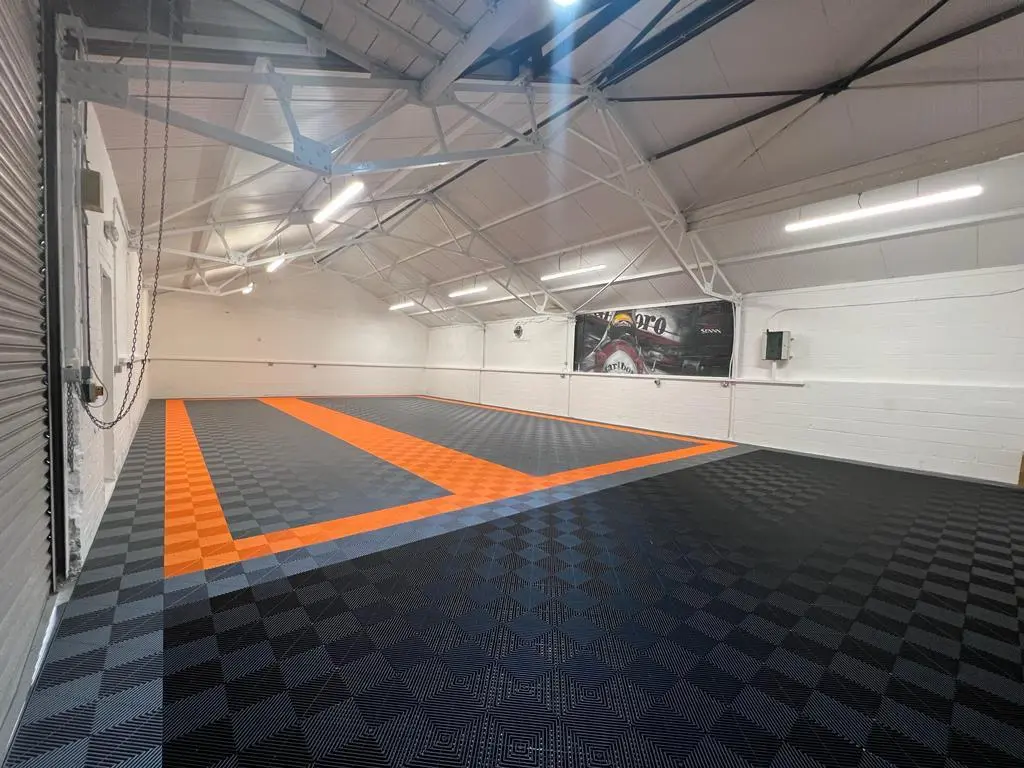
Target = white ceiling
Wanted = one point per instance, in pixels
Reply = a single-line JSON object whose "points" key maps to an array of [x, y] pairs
{"points": [[737, 190]]}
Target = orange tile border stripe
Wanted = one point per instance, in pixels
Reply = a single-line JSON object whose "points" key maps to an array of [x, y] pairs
{"points": [[453, 470], [197, 536]]}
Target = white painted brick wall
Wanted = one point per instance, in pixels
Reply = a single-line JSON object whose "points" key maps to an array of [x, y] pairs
{"points": [[923, 373], [546, 345], [456, 346], [221, 378], [454, 384], [87, 488], [905, 330], [698, 408], [960, 430], [540, 392], [312, 327]]}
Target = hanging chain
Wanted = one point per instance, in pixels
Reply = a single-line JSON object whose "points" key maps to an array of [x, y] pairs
{"points": [[128, 401]]}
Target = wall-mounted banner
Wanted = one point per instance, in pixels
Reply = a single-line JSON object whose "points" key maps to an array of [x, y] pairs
{"points": [[680, 340]]}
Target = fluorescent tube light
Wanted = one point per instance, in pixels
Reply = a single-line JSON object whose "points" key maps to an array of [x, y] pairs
{"points": [[949, 196], [402, 305], [340, 200], [467, 291], [572, 272], [276, 264], [249, 289]]}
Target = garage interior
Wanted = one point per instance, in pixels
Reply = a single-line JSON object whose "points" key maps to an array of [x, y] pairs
{"points": [[511, 383]]}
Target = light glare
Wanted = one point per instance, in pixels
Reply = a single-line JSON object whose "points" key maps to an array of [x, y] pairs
{"points": [[572, 272], [339, 201], [467, 291], [949, 196]]}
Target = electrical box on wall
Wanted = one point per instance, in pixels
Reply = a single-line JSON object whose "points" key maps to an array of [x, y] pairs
{"points": [[776, 345], [92, 190]]}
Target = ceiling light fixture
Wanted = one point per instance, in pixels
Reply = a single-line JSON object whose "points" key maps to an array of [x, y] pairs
{"points": [[467, 291], [249, 289], [276, 264], [402, 305], [339, 201], [565, 3], [572, 272], [949, 196]]}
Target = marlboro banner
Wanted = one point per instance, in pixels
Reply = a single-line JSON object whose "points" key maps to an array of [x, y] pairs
{"points": [[680, 340]]}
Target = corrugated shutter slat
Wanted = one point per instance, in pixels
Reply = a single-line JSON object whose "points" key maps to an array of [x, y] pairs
{"points": [[25, 555]]}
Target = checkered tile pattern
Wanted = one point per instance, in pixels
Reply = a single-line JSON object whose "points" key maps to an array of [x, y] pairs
{"points": [[273, 472], [223, 579], [850, 616], [97, 701], [526, 443]]}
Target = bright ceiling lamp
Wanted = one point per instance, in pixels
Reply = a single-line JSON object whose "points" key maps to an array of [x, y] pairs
{"points": [[467, 291], [276, 264], [339, 201], [249, 289], [949, 196], [565, 3], [572, 272], [402, 305]]}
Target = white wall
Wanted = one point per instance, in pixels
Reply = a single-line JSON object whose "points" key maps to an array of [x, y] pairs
{"points": [[533, 373], [455, 357], [528, 373], [922, 373], [89, 482], [296, 334]]}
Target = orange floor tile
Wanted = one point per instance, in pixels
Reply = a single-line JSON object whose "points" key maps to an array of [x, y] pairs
{"points": [[196, 533]]}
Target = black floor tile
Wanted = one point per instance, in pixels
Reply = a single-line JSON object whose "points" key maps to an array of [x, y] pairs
{"points": [[716, 616]]}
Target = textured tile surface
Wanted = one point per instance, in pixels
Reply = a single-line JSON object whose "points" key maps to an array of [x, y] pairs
{"points": [[531, 444], [273, 472], [767, 610], [758, 610], [97, 700]]}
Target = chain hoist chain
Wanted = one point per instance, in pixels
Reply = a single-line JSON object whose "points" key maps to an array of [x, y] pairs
{"points": [[72, 433], [128, 402]]}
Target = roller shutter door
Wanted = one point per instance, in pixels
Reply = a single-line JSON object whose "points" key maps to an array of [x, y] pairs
{"points": [[25, 557]]}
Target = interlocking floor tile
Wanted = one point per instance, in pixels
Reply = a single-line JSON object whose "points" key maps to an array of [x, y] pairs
{"points": [[777, 668], [273, 472], [763, 609], [527, 443]]}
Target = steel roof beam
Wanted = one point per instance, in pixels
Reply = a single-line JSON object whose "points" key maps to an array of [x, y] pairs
{"points": [[705, 282], [298, 24], [693, 24], [429, 161], [197, 42], [230, 163], [593, 26], [440, 16], [843, 83], [507, 260], [494, 23], [389, 28]]}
